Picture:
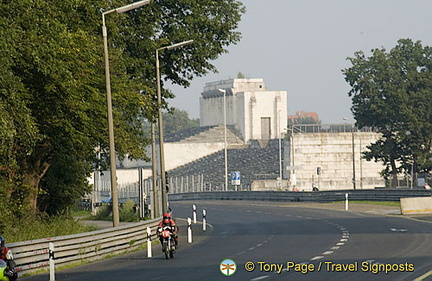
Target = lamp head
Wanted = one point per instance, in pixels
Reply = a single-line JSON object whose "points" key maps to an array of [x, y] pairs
{"points": [[132, 6]]}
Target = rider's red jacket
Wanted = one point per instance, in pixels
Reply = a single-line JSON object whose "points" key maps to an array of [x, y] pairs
{"points": [[170, 223], [3, 253]]}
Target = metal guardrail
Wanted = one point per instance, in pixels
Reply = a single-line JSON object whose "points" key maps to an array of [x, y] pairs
{"points": [[33, 255], [320, 196]]}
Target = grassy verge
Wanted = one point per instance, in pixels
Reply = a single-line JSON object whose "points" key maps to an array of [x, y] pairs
{"points": [[30, 228], [382, 203]]}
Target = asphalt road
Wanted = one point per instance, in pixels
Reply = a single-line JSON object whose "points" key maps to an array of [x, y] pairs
{"points": [[281, 242]]}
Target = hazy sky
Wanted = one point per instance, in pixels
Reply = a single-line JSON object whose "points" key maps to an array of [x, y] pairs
{"points": [[301, 46]]}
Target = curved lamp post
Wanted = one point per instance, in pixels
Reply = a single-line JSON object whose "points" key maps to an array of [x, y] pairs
{"points": [[160, 122], [225, 138], [114, 193]]}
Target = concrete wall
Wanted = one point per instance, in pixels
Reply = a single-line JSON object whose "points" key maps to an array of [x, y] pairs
{"points": [[178, 154], [333, 153], [418, 205]]}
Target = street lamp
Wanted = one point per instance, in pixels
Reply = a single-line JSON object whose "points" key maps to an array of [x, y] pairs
{"points": [[353, 157], [155, 206], [353, 154], [114, 194], [225, 138], [280, 147], [160, 122]]}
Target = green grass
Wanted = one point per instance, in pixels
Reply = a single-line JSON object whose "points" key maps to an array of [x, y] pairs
{"points": [[31, 228], [82, 213], [382, 203]]}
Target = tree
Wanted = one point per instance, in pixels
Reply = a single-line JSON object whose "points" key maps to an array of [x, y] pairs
{"points": [[52, 87], [391, 92], [177, 120]]}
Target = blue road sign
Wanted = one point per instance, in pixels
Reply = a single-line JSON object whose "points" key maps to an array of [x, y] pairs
{"points": [[235, 178]]}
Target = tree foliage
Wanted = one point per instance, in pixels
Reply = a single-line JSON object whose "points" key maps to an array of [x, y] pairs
{"points": [[178, 120], [52, 85], [391, 92]]}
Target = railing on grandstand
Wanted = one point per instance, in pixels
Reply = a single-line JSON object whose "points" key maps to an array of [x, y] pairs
{"points": [[327, 128]]}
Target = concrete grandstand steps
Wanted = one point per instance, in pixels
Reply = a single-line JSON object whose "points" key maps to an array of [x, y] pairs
{"points": [[216, 134], [250, 162], [186, 133]]}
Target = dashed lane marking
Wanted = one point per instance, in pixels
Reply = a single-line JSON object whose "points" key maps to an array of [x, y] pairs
{"points": [[316, 258]]}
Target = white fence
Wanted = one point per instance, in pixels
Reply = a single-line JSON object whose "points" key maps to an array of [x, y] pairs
{"points": [[176, 184], [33, 255]]}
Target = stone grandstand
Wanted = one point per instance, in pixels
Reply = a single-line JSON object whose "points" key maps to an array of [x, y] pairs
{"points": [[254, 160]]}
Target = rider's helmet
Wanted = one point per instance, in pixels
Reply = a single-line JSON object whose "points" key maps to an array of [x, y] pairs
{"points": [[2, 242], [166, 217]]}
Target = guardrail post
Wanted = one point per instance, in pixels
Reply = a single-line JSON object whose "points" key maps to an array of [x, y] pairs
{"points": [[189, 230], [346, 201], [194, 213], [204, 220], [51, 261], [149, 244]]}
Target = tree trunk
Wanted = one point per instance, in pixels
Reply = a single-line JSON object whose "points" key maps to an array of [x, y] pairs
{"points": [[31, 184], [33, 170], [394, 179]]}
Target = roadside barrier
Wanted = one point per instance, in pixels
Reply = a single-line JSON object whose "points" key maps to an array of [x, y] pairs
{"points": [[37, 255], [304, 196], [189, 227], [204, 219]]}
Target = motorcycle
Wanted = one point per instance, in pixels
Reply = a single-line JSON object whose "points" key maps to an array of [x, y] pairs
{"points": [[3, 267], [168, 243]]}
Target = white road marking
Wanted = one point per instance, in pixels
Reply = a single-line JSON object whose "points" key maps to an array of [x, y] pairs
{"points": [[316, 258], [259, 278]]}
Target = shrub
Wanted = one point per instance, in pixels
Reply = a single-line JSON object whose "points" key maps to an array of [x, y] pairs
{"points": [[128, 212]]}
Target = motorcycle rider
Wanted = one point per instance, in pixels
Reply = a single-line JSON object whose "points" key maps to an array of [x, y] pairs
{"points": [[6, 255], [168, 221]]}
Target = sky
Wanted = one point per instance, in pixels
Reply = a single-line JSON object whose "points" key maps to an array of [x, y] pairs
{"points": [[301, 46]]}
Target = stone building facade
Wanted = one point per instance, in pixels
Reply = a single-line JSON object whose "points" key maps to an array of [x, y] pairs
{"points": [[256, 112]]}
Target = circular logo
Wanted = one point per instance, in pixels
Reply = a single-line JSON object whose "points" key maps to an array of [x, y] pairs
{"points": [[228, 267]]}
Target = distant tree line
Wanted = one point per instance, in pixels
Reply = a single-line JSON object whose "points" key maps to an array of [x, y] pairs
{"points": [[174, 121]]}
